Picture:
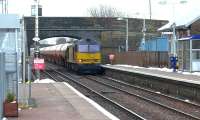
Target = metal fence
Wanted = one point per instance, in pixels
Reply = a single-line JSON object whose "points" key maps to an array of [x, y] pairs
{"points": [[2, 82], [12, 72], [144, 59], [8, 77]]}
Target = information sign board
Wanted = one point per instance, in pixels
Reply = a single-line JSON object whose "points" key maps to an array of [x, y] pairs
{"points": [[39, 64]]}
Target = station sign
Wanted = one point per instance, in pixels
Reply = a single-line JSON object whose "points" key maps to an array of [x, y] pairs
{"points": [[39, 64]]}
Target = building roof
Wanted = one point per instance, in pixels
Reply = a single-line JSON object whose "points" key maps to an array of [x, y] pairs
{"points": [[180, 23]]}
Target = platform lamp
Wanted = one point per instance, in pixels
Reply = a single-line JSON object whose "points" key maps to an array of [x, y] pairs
{"points": [[144, 29], [36, 37]]}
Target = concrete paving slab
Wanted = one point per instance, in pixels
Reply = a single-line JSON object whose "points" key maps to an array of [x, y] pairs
{"points": [[80, 104], [55, 101]]}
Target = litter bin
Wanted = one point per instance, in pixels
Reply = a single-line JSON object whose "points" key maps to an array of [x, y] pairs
{"points": [[173, 63]]}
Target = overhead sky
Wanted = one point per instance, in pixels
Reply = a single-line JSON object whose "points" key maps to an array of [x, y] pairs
{"points": [[80, 8]]}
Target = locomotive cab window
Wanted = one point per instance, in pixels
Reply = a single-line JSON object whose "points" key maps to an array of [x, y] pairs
{"points": [[88, 48], [83, 48], [94, 48]]}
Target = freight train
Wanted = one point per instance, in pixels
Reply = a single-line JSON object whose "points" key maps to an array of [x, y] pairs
{"points": [[81, 56]]}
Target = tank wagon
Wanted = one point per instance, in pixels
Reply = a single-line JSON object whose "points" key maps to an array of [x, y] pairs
{"points": [[82, 56]]}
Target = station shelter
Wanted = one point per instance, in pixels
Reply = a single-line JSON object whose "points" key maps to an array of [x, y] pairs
{"points": [[155, 44], [10, 56], [189, 53]]}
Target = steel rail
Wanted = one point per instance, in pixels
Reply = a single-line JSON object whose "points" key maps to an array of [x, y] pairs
{"points": [[151, 91], [149, 100], [128, 112]]}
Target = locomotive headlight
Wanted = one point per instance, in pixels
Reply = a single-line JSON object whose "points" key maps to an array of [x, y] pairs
{"points": [[79, 61]]}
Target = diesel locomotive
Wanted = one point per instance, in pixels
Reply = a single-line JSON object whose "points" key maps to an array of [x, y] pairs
{"points": [[81, 56]]}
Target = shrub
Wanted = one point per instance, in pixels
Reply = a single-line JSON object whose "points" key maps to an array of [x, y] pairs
{"points": [[10, 97]]}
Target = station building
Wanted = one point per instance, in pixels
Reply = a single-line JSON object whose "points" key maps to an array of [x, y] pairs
{"points": [[187, 41]]}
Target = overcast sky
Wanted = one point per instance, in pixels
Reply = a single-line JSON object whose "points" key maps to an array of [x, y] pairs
{"points": [[80, 8]]}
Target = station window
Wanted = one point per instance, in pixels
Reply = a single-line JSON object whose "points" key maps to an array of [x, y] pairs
{"points": [[83, 48], [196, 55], [7, 37], [196, 44]]}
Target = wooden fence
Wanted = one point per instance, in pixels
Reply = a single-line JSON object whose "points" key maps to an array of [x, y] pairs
{"points": [[140, 58]]}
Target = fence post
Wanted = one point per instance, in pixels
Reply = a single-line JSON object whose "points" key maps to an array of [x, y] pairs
{"points": [[159, 60], [17, 76], [29, 81], [2, 80]]}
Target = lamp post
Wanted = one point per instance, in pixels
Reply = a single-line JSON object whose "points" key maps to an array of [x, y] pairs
{"points": [[36, 38], [144, 34], [125, 19], [150, 12], [173, 42], [143, 31]]}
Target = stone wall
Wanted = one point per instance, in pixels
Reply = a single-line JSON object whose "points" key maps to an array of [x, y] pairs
{"points": [[106, 30]]}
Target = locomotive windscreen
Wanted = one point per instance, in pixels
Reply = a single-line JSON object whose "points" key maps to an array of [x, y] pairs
{"points": [[94, 48], [88, 48]]}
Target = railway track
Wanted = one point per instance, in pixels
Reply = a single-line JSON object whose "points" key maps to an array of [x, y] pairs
{"points": [[148, 104], [123, 113], [186, 108]]}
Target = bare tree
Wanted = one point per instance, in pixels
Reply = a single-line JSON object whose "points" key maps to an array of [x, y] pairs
{"points": [[105, 11]]}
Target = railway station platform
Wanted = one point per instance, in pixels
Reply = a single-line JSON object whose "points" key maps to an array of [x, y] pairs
{"points": [[60, 101], [184, 85], [177, 76]]}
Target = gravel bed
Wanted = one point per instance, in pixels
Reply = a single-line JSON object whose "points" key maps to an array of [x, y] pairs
{"points": [[143, 108], [185, 107], [111, 108]]}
